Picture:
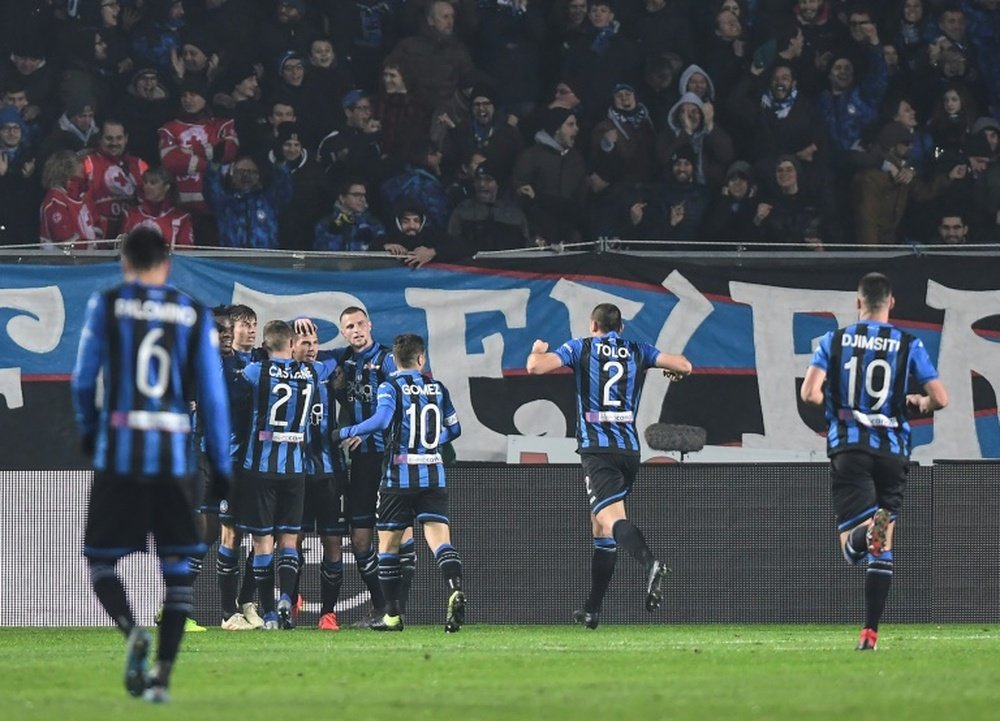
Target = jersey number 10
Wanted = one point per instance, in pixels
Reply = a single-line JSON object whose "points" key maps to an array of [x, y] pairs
{"points": [[430, 426]]}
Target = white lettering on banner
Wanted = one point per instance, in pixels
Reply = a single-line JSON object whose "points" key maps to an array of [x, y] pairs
{"points": [[778, 366], [37, 329], [961, 353], [447, 332], [322, 305], [687, 316]]}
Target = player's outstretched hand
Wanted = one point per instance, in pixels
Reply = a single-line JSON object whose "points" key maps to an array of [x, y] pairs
{"points": [[304, 326], [221, 484], [88, 444]]}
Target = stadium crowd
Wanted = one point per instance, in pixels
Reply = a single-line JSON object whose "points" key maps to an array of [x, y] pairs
{"points": [[435, 129]]}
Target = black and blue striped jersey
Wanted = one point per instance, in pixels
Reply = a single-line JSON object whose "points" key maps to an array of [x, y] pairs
{"points": [[609, 372], [283, 393], [324, 456], [158, 351], [363, 373], [419, 417], [869, 366]]}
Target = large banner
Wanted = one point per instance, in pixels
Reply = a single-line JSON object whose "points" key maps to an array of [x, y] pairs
{"points": [[748, 327]]}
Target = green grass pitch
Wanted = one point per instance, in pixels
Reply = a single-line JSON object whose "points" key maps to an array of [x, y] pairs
{"points": [[622, 673]]}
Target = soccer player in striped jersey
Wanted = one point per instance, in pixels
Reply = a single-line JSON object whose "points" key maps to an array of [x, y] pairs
{"points": [[420, 418], [325, 508], [609, 372], [272, 483], [868, 369], [157, 349], [366, 364]]}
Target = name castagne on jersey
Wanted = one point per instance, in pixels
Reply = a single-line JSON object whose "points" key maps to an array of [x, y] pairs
{"points": [[876, 344], [154, 310]]}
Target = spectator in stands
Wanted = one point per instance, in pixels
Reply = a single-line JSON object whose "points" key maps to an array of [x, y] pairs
{"points": [[691, 122], [730, 216], [903, 111], [19, 190], [550, 180], [290, 31], [952, 118], [364, 31], [659, 87], [355, 149], [982, 20], [728, 57], [665, 26], [66, 215], [420, 178], [156, 209], [989, 128], [188, 144], [112, 178], [245, 208], [405, 118], [488, 221], [75, 129], [29, 66], [793, 213], [911, 28], [488, 131], [414, 240], [951, 229], [881, 195], [439, 61], [238, 96], [314, 111], [508, 45], [197, 56], [310, 190], [144, 108], [675, 211], [603, 57], [158, 37], [14, 95], [821, 33], [88, 71], [351, 226], [327, 80]]}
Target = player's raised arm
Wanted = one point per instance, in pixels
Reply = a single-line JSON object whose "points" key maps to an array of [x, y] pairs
{"points": [[541, 360], [674, 365]]}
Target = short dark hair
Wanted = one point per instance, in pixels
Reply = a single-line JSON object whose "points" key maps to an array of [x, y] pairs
{"points": [[875, 290], [220, 312], [145, 248], [353, 309], [406, 347], [277, 335], [240, 312], [343, 187], [608, 317]]}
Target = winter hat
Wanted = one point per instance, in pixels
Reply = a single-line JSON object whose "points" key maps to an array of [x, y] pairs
{"points": [[683, 152], [739, 168], [893, 134], [288, 131], [28, 46], [144, 72], [8, 115], [78, 103], [622, 86], [977, 146], [482, 90], [352, 97], [789, 158], [236, 75], [286, 56], [553, 118], [486, 170], [983, 123], [195, 85]]}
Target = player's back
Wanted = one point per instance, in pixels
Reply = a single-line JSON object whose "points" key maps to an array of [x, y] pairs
{"points": [[152, 339], [609, 372], [869, 368], [283, 394], [423, 409]]}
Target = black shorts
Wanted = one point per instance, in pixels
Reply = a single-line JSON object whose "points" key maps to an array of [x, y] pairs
{"points": [[362, 494], [608, 477], [325, 506], [399, 509], [207, 501], [122, 511], [861, 483], [268, 504]]}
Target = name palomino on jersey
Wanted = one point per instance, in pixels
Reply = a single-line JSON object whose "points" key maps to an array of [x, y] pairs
{"points": [[875, 344], [155, 310], [607, 351], [285, 374]]}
